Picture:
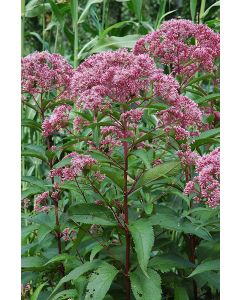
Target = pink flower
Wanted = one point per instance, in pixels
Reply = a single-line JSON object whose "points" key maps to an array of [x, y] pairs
{"points": [[38, 207], [117, 77], [132, 116], [76, 166], [187, 157], [207, 178], [57, 120], [183, 116], [99, 176], [171, 44], [43, 72]]}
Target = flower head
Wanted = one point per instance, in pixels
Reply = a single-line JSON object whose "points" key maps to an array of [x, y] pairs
{"points": [[208, 178], [185, 46], [43, 72]]}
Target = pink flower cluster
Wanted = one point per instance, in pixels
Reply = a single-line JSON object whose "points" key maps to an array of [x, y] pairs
{"points": [[185, 46], [79, 122], [42, 198], [182, 116], [57, 120], [132, 117], [118, 76], [77, 164], [43, 72], [208, 179], [187, 157], [67, 234]]}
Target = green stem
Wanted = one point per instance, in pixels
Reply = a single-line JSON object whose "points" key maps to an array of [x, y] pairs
{"points": [[125, 206], [56, 39], [22, 25], [105, 14], [43, 27], [74, 8], [202, 10]]}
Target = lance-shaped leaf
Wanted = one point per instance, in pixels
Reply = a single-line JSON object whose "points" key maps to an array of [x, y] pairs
{"points": [[169, 168], [76, 273], [145, 288], [100, 282], [143, 237], [211, 265], [90, 213]]}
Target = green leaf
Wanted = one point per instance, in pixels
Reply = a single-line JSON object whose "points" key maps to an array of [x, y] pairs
{"points": [[168, 219], [96, 249], [32, 262], [66, 294], [76, 273], [145, 288], [35, 181], [31, 124], [193, 6], [36, 8], [206, 137], [35, 151], [211, 265], [115, 42], [165, 262], [36, 293], [100, 282], [207, 10], [58, 258], [203, 100], [33, 190], [115, 174], [85, 12], [137, 7], [180, 293], [143, 155], [90, 213], [143, 237], [165, 169], [114, 26]]}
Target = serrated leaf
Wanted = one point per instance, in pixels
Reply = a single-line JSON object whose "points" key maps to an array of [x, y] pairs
{"points": [[33, 190], [145, 288], [35, 181], [167, 218], [165, 262], [165, 169], [100, 282], [115, 174], [35, 151], [207, 98], [211, 265], [66, 294], [76, 273], [143, 155], [143, 237], [32, 262], [90, 213], [31, 124]]}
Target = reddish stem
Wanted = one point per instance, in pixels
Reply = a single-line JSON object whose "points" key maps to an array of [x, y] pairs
{"points": [[192, 243], [125, 207], [58, 234]]}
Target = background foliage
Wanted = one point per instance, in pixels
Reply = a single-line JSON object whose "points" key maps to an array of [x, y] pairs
{"points": [[77, 29]]}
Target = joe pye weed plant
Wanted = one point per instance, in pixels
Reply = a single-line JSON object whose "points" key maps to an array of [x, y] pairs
{"points": [[125, 204]]}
